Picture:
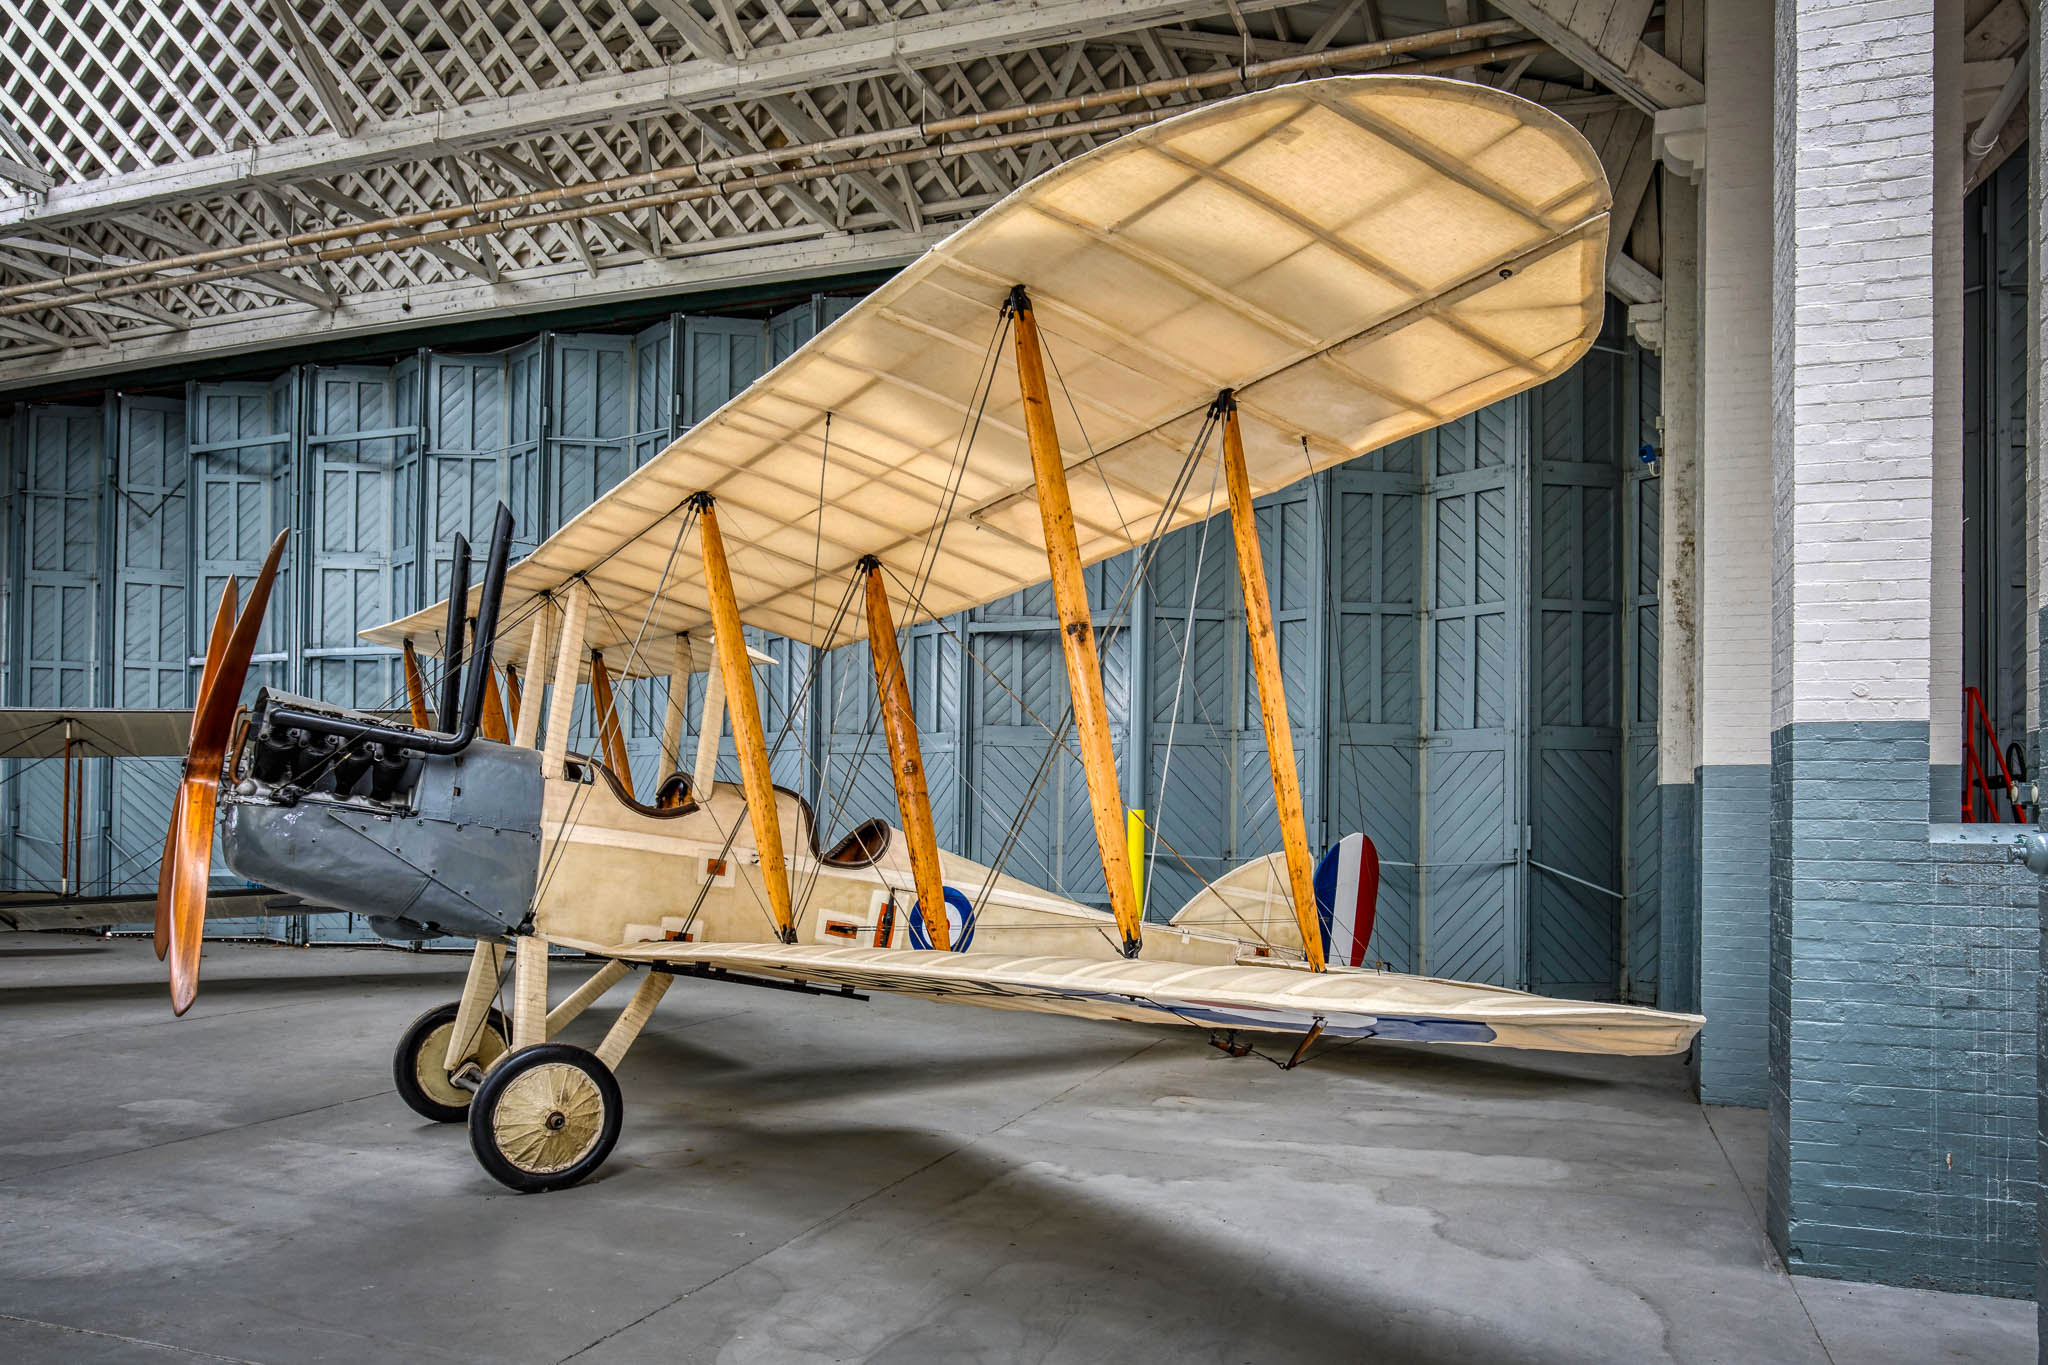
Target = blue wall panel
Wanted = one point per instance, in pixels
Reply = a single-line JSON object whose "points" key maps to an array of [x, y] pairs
{"points": [[1472, 919], [151, 551], [1398, 582], [1576, 910], [60, 480]]}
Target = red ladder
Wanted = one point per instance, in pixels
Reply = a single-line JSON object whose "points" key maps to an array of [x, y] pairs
{"points": [[1975, 718]]}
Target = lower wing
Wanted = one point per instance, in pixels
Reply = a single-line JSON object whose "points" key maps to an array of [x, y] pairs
{"points": [[1341, 1004], [42, 910]]}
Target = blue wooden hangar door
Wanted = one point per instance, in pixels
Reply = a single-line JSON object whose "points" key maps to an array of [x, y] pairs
{"points": [[1467, 623]]}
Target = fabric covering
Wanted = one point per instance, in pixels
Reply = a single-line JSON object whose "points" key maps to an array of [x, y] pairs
{"points": [[1361, 258], [1259, 999]]}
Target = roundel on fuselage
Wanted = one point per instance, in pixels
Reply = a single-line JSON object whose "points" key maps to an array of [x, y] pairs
{"points": [[959, 922]]}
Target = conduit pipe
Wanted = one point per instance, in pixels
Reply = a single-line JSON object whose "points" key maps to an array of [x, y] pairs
{"points": [[1985, 135]]}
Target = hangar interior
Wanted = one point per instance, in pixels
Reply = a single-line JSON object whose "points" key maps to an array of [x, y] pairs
{"points": [[1652, 684]]}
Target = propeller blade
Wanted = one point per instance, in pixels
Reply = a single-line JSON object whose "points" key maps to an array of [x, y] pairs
{"points": [[216, 646], [199, 790]]}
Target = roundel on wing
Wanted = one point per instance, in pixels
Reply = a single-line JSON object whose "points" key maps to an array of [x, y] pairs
{"points": [[1347, 890], [959, 922]]}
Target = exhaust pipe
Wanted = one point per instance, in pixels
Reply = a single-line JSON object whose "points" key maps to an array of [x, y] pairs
{"points": [[457, 732]]}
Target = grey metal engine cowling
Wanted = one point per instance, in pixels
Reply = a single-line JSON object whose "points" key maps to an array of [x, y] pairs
{"points": [[464, 862]]}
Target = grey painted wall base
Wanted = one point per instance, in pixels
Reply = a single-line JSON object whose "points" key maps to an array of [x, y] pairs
{"points": [[1901, 1027], [1944, 792], [1734, 932], [1678, 943]]}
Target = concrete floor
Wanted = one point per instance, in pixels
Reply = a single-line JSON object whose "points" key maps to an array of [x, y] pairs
{"points": [[813, 1180]]}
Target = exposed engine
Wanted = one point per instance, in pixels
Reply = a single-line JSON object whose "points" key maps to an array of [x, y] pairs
{"points": [[426, 832], [423, 847]]}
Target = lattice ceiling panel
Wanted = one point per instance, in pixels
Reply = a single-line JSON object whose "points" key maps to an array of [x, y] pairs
{"points": [[142, 130]]}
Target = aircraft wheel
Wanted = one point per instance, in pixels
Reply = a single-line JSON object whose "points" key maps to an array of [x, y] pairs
{"points": [[418, 1064], [545, 1117]]}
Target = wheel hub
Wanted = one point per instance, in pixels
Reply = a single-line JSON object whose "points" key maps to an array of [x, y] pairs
{"points": [[547, 1118]]}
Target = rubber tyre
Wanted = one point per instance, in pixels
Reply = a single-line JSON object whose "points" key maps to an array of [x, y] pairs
{"points": [[545, 1117], [442, 1103]]}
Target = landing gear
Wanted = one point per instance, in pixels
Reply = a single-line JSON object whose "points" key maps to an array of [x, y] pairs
{"points": [[419, 1066], [545, 1117]]}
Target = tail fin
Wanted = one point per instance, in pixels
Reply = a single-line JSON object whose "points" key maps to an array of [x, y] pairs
{"points": [[1347, 893]]}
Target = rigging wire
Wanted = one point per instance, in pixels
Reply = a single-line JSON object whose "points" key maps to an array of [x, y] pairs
{"points": [[1146, 552], [832, 632], [1179, 683], [956, 474]]}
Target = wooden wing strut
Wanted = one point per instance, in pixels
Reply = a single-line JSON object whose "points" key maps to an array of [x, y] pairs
{"points": [[1258, 623], [605, 710], [1077, 627], [745, 709], [906, 760], [416, 690]]}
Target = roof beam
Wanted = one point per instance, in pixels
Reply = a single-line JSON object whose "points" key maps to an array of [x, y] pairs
{"points": [[348, 203], [311, 60], [813, 208], [135, 310], [1605, 38], [18, 164], [141, 305], [973, 29], [538, 177], [525, 295], [269, 281], [801, 127]]}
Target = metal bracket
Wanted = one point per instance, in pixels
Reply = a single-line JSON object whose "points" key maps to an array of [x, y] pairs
{"points": [[469, 1076], [2031, 848]]}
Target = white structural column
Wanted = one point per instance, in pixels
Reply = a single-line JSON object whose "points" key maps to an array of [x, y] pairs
{"points": [[1853, 363], [568, 672], [1678, 543], [1945, 612], [533, 681], [1733, 637], [710, 730], [678, 702], [1859, 950]]}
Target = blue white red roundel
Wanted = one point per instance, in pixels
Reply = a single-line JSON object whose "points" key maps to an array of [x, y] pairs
{"points": [[959, 922], [1347, 890]]}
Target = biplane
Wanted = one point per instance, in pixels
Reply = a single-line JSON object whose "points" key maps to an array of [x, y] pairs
{"points": [[1152, 334]]}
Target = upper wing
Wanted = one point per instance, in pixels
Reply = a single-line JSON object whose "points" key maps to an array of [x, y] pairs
{"points": [[1361, 258], [1354, 1004]]}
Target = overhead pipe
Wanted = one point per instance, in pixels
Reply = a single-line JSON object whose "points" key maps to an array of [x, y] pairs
{"points": [[926, 129], [1985, 135]]}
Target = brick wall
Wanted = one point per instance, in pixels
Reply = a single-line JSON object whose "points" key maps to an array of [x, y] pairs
{"points": [[1902, 1016], [1678, 944], [1734, 904]]}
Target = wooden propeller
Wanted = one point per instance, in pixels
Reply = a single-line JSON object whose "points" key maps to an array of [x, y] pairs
{"points": [[216, 646], [188, 848]]}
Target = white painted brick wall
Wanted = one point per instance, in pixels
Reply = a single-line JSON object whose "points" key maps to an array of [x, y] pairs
{"points": [[1853, 373], [1945, 609], [2037, 356], [1734, 633]]}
